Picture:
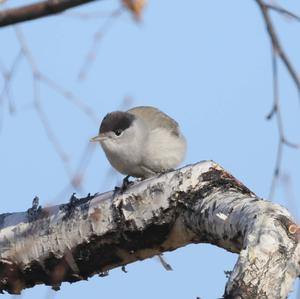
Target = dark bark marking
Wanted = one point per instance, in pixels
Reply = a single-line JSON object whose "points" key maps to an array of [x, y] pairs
{"points": [[222, 179]]}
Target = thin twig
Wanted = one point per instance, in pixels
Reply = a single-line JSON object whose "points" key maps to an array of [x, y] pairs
{"points": [[51, 83], [82, 165], [7, 81], [276, 170], [38, 78], [277, 44], [67, 94], [287, 184], [90, 57], [42, 115], [283, 11], [41, 78], [8, 74], [276, 111], [276, 106], [278, 53], [25, 50], [36, 75], [76, 179]]}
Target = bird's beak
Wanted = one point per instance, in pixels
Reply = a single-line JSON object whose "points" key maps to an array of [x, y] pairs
{"points": [[97, 138]]}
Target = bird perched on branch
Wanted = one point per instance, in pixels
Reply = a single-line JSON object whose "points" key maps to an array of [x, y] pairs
{"points": [[141, 142]]}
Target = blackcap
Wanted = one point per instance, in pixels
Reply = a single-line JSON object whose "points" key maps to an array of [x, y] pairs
{"points": [[141, 142]]}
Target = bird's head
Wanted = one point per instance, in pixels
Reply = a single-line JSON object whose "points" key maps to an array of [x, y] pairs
{"points": [[119, 130]]}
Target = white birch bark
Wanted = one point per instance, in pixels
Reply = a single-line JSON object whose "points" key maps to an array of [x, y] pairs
{"points": [[198, 203]]}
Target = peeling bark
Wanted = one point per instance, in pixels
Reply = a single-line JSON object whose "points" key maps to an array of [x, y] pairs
{"points": [[195, 204]]}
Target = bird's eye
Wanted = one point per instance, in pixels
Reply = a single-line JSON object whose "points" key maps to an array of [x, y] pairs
{"points": [[118, 132]]}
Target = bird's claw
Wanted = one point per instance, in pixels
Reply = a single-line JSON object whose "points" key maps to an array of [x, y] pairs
{"points": [[125, 184]]}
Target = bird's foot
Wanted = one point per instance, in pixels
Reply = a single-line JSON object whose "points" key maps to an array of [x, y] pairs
{"points": [[126, 183]]}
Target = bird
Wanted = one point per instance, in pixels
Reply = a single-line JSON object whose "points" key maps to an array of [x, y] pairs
{"points": [[141, 142]]}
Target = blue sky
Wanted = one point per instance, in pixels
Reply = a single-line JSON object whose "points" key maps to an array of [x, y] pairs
{"points": [[205, 63]]}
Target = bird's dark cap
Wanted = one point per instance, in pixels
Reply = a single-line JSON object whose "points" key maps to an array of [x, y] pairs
{"points": [[115, 121]]}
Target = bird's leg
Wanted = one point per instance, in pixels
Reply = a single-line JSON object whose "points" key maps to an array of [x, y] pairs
{"points": [[125, 184]]}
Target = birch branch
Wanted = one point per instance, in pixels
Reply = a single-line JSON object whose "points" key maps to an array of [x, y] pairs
{"points": [[196, 204]]}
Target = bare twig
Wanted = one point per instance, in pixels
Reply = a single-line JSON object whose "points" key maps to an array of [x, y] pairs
{"points": [[277, 44], [276, 111], [38, 75], [276, 170], [25, 50], [278, 53], [283, 11], [82, 165], [135, 7], [38, 78], [42, 115], [282, 139], [67, 94], [90, 57], [8, 74], [37, 10], [287, 184], [7, 80]]}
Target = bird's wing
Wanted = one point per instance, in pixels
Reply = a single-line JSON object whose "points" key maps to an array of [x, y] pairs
{"points": [[155, 118]]}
